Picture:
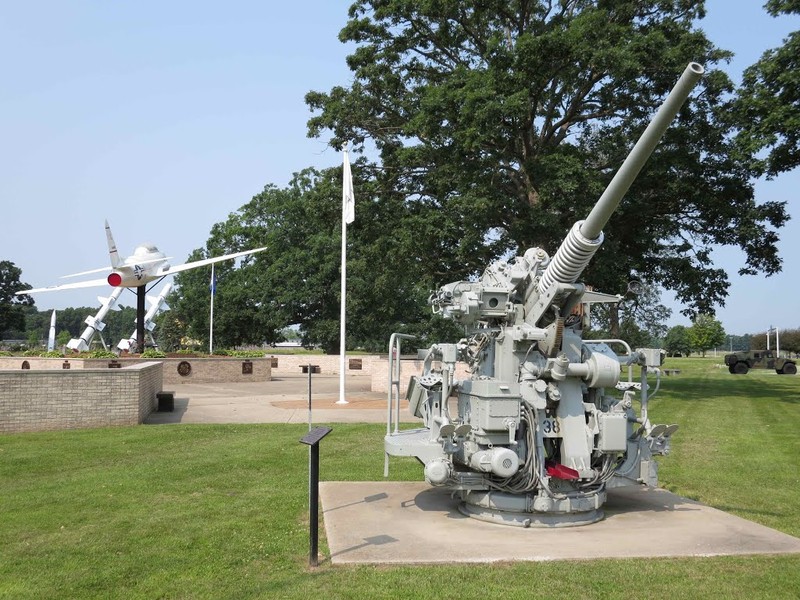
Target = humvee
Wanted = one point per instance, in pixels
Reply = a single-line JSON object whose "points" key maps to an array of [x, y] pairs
{"points": [[740, 363]]}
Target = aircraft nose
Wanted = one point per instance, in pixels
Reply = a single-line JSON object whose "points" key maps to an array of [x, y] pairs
{"points": [[114, 279]]}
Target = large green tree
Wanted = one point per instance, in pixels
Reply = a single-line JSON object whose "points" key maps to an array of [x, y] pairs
{"points": [[12, 307], [296, 281], [768, 109], [497, 124], [706, 333], [676, 342]]}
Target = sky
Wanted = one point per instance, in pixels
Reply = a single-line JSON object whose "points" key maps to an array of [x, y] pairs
{"points": [[165, 117]]}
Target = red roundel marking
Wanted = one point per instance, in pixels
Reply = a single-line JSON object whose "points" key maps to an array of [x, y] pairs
{"points": [[115, 279]]}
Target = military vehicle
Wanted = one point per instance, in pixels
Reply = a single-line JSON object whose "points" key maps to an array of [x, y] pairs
{"points": [[740, 363], [542, 424]]}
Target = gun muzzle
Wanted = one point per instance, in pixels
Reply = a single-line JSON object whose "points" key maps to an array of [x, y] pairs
{"points": [[629, 170], [586, 236]]}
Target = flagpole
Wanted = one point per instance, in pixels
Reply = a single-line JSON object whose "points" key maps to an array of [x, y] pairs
{"points": [[347, 217], [342, 313], [211, 326]]}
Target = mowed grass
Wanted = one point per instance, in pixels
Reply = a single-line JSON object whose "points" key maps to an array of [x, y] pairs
{"points": [[208, 511]]}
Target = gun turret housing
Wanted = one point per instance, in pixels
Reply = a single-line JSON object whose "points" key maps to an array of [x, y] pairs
{"points": [[536, 432]]}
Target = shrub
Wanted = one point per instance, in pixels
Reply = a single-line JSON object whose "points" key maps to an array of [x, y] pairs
{"points": [[153, 353], [247, 353], [102, 354]]}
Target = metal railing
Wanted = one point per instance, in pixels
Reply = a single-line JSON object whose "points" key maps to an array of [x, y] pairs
{"points": [[395, 343]]}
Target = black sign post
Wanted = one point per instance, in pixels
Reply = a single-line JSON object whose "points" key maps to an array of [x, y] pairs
{"points": [[310, 370], [312, 439]]}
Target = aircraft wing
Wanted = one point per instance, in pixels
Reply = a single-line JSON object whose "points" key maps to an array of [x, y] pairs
{"points": [[66, 286], [170, 271], [100, 270], [207, 261]]}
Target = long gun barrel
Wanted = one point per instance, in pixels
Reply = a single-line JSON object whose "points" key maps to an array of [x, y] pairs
{"points": [[586, 236]]}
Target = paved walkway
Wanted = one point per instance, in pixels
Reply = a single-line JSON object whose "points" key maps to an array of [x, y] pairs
{"points": [[284, 399]]}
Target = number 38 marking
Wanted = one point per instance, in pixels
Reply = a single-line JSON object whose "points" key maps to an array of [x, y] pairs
{"points": [[551, 427]]}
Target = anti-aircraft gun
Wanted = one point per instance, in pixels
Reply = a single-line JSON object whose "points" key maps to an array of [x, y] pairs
{"points": [[539, 433]]}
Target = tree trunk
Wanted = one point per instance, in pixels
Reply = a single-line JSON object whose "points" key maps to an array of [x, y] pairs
{"points": [[613, 321]]}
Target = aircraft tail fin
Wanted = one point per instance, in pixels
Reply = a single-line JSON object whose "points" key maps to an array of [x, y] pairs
{"points": [[112, 248]]}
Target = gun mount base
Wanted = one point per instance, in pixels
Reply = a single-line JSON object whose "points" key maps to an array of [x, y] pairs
{"points": [[512, 509]]}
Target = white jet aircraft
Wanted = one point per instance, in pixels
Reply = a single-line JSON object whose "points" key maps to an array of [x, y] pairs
{"points": [[146, 264]]}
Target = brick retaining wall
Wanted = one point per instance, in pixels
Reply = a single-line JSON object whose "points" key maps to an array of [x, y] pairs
{"points": [[200, 370], [48, 399], [209, 370], [204, 370]]}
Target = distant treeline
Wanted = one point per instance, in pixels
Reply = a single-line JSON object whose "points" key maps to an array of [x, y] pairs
{"points": [[789, 340]]}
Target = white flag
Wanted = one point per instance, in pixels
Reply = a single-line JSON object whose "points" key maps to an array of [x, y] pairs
{"points": [[348, 199]]}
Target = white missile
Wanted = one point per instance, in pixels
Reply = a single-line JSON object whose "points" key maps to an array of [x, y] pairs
{"points": [[95, 323], [51, 338], [157, 304]]}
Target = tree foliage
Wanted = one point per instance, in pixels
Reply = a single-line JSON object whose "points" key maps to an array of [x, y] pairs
{"points": [[62, 338], [788, 339], [638, 318], [706, 333], [12, 307], [768, 108], [739, 343], [499, 123], [169, 332], [676, 342], [495, 126], [238, 318], [296, 281]]}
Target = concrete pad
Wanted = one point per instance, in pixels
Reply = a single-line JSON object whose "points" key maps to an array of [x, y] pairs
{"points": [[401, 522]]}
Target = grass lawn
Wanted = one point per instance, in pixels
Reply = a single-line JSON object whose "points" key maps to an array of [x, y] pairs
{"points": [[210, 511]]}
